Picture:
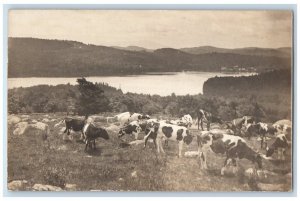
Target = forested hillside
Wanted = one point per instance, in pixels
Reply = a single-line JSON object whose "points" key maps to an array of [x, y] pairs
{"points": [[28, 57]]}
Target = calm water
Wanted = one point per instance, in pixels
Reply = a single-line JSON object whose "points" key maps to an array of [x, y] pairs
{"points": [[162, 84]]}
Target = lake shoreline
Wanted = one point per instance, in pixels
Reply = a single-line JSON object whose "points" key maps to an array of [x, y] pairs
{"points": [[138, 74], [164, 84]]}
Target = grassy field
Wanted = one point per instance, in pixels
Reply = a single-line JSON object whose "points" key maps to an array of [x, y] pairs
{"points": [[57, 161]]}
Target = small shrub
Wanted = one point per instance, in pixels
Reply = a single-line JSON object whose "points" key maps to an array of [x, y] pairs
{"points": [[55, 176]]}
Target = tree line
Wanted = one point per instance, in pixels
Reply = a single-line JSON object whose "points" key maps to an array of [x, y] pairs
{"points": [[93, 98]]}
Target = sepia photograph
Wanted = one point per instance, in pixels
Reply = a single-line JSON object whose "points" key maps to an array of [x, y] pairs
{"points": [[150, 100]]}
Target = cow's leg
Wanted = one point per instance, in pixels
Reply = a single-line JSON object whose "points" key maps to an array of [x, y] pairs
{"points": [[208, 125], [136, 134], [204, 158], [146, 139], [86, 145], [198, 122], [180, 146], [94, 144], [158, 145], [202, 124]]}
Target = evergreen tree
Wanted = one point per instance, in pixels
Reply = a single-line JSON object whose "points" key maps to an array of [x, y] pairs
{"points": [[92, 99]]}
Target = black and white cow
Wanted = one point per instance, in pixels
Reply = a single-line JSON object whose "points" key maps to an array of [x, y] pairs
{"points": [[163, 131], [138, 116], [92, 133], [234, 147], [261, 129], [75, 124], [280, 144], [133, 128]]}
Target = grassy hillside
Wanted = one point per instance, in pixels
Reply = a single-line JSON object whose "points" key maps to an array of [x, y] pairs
{"points": [[28, 57], [58, 161]]}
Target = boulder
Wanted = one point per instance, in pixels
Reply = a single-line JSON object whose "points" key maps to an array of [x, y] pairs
{"points": [[42, 187], [191, 154], [34, 121], [230, 171], [70, 187], [137, 142], [271, 187], [45, 120], [61, 131], [20, 128], [11, 120], [40, 126], [17, 185]]}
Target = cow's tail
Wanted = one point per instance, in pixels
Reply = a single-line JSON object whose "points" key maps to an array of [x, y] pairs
{"points": [[59, 123]]}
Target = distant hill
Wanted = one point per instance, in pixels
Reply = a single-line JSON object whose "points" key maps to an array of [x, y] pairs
{"points": [[254, 51], [28, 57], [133, 48]]}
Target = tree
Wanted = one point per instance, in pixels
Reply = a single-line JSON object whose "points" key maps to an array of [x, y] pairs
{"points": [[92, 99]]}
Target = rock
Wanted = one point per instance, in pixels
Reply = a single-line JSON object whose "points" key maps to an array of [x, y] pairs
{"points": [[42, 187], [34, 121], [62, 148], [20, 128], [260, 175], [61, 131], [59, 123], [70, 187], [25, 116], [45, 120], [137, 142], [271, 187], [11, 120], [230, 171], [17, 185], [134, 174], [121, 179], [191, 154], [40, 126]]}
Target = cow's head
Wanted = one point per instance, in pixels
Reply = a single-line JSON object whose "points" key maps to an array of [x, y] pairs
{"points": [[104, 134]]}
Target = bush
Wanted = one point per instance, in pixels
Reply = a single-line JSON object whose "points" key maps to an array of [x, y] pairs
{"points": [[55, 176]]}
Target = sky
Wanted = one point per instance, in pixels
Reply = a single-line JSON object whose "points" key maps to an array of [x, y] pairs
{"points": [[156, 28]]}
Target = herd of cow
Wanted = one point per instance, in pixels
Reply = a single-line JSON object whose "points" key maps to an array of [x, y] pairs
{"points": [[228, 139]]}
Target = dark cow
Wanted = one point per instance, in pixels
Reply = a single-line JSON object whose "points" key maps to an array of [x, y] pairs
{"points": [[92, 133], [74, 124], [133, 128], [208, 117], [280, 144], [233, 146], [160, 131]]}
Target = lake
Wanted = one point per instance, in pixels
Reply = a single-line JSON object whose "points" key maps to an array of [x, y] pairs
{"points": [[163, 84]]}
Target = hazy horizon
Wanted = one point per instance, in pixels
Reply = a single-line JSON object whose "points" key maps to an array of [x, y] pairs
{"points": [[149, 48], [154, 29]]}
